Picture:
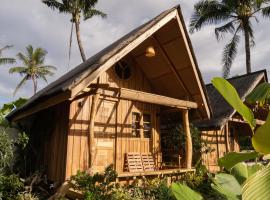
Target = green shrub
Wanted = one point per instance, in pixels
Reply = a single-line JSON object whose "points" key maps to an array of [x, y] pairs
{"points": [[99, 186], [200, 181], [10, 187], [6, 151]]}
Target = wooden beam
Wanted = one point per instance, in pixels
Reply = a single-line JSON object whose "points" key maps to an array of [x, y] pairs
{"points": [[226, 129], [155, 99], [153, 173], [194, 64], [91, 147], [173, 68], [42, 105], [258, 122], [188, 140]]}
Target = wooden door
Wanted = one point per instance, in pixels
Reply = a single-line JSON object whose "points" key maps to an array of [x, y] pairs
{"points": [[104, 135]]}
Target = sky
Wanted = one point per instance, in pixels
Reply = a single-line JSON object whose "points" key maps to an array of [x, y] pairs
{"points": [[31, 22]]}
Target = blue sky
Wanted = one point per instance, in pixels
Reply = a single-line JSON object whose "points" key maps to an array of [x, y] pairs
{"points": [[31, 22]]}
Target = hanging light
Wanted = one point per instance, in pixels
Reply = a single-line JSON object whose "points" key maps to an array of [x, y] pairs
{"points": [[150, 52]]}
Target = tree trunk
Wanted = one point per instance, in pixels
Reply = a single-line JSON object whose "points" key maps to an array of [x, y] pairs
{"points": [[188, 140], [34, 84], [247, 47], [77, 26]]}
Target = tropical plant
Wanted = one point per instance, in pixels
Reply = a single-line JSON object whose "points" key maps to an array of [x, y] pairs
{"points": [[33, 67], [241, 181], [10, 187], [77, 9], [4, 60], [97, 186], [6, 151], [183, 192], [236, 17], [7, 108]]}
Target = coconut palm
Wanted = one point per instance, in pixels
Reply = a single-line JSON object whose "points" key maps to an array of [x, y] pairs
{"points": [[235, 17], [3, 60], [33, 67], [77, 9]]}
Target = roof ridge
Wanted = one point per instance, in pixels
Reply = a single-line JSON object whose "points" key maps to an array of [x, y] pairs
{"points": [[244, 75]]}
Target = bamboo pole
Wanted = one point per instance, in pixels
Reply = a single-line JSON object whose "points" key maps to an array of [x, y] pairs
{"points": [[95, 98], [227, 138], [188, 140]]}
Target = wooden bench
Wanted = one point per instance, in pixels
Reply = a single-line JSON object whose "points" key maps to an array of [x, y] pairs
{"points": [[134, 162], [148, 162], [137, 162]]}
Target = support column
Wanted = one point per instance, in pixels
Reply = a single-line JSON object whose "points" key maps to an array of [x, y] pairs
{"points": [[188, 140], [228, 149], [91, 129]]}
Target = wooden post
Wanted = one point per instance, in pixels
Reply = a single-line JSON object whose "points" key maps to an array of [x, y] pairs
{"points": [[227, 138], [188, 140], [91, 129]]}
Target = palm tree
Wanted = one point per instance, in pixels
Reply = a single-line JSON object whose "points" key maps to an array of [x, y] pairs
{"points": [[76, 8], [33, 67], [4, 61], [236, 17]]}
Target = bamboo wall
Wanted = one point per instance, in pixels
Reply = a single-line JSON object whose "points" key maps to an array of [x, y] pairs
{"points": [[216, 140], [113, 116], [49, 141]]}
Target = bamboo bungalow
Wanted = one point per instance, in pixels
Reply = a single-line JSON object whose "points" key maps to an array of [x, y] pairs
{"points": [[110, 109], [226, 131]]}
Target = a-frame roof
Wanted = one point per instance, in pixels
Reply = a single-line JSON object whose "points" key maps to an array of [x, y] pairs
{"points": [[222, 111], [73, 82]]}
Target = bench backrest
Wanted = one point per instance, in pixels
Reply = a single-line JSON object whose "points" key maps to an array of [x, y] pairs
{"points": [[148, 162], [134, 162]]}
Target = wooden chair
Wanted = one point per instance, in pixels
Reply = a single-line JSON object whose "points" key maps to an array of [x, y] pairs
{"points": [[134, 162], [148, 162]]}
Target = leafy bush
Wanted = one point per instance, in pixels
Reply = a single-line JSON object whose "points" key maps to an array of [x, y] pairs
{"points": [[102, 186], [150, 189], [10, 187], [98, 186], [6, 151], [7, 108]]}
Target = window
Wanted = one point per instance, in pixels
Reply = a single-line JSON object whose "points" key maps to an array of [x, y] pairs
{"points": [[147, 126], [136, 124], [123, 70]]}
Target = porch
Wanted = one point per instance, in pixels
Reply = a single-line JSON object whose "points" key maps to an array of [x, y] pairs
{"points": [[138, 128]]}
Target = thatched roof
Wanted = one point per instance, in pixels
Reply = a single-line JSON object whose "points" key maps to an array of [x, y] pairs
{"points": [[89, 68], [222, 111]]}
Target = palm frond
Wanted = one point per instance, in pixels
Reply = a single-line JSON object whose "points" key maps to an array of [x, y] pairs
{"points": [[208, 12], [39, 56], [29, 52], [266, 11], [20, 70], [43, 77], [5, 48], [46, 70], [227, 28], [229, 54], [87, 3], [23, 58], [4, 61], [48, 67], [20, 85], [55, 5], [93, 12]]}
